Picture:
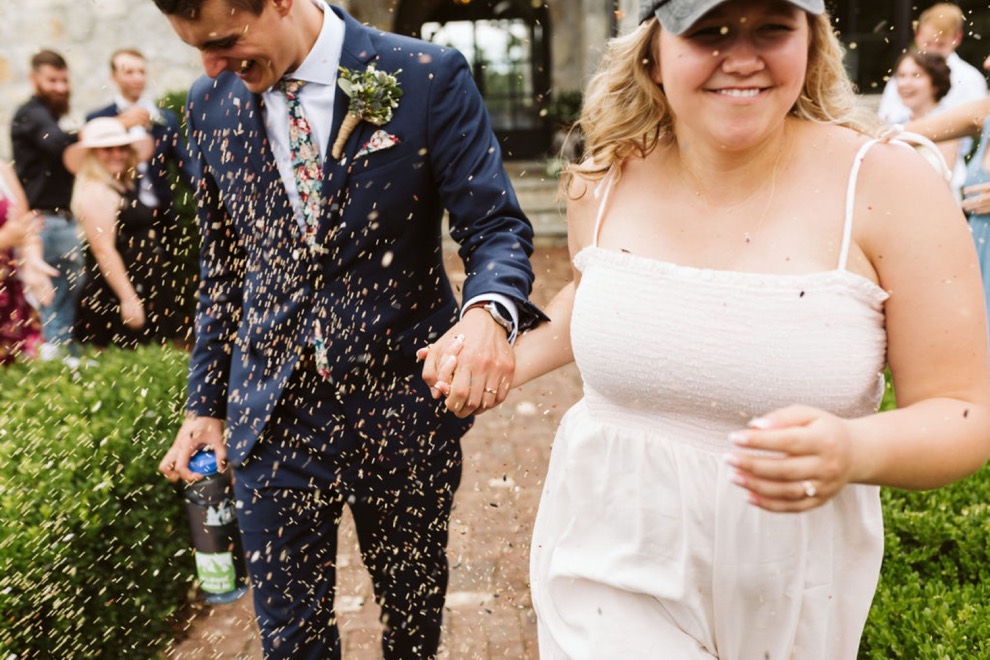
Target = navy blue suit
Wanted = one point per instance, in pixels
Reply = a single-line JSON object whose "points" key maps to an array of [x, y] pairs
{"points": [[370, 434], [170, 147]]}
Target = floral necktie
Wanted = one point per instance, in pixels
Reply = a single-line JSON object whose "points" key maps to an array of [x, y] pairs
{"points": [[306, 164], [308, 173]]}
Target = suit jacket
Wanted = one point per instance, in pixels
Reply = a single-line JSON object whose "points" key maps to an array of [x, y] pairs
{"points": [[379, 291], [169, 148]]}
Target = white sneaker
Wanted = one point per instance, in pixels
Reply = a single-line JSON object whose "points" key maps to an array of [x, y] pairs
{"points": [[48, 352]]}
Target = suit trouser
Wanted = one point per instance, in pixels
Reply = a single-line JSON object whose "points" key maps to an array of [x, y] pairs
{"points": [[290, 501]]}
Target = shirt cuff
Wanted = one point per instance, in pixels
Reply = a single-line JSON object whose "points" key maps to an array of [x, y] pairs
{"points": [[505, 301]]}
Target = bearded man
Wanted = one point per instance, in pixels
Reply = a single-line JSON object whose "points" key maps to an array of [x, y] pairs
{"points": [[38, 142]]}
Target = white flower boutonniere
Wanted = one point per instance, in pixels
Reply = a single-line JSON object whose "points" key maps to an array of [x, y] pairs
{"points": [[374, 95]]}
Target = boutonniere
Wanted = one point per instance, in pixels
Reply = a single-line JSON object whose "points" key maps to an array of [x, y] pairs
{"points": [[374, 95]]}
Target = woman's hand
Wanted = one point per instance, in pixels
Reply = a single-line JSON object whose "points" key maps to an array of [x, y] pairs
{"points": [[793, 459], [19, 229], [132, 312], [37, 276], [977, 199]]}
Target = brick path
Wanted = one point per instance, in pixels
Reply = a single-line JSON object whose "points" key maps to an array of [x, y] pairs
{"points": [[489, 614]]}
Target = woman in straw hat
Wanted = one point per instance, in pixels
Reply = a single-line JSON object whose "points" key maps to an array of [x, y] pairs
{"points": [[119, 302], [747, 260]]}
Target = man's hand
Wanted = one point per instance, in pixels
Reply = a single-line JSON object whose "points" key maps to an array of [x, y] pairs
{"points": [[472, 364], [196, 433], [135, 116], [977, 199]]}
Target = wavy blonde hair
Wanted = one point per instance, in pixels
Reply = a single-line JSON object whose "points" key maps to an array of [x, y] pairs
{"points": [[626, 113], [92, 171]]}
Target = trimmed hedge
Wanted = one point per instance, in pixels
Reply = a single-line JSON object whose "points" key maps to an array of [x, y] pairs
{"points": [[94, 547], [933, 601]]}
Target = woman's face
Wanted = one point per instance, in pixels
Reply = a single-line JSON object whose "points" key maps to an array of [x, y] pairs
{"points": [[735, 74], [114, 159], [914, 86]]}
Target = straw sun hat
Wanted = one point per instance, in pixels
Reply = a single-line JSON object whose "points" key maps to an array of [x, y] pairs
{"points": [[105, 132]]}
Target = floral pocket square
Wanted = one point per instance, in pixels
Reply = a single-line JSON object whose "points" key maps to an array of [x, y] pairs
{"points": [[380, 139]]}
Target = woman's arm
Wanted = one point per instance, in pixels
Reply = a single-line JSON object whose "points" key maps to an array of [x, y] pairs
{"points": [[911, 230], [964, 120], [96, 206], [33, 271], [548, 346]]}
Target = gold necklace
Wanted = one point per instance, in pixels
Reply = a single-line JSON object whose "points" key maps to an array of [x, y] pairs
{"points": [[747, 235]]}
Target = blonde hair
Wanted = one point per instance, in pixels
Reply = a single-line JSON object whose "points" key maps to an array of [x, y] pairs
{"points": [[626, 113], [92, 171], [944, 17]]}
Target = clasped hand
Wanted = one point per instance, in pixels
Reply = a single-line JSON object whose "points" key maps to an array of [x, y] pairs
{"points": [[471, 366], [793, 459]]}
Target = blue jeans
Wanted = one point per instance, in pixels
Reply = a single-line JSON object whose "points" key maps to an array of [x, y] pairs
{"points": [[63, 252]]}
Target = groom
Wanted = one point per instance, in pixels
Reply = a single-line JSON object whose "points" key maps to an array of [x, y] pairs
{"points": [[320, 277]]}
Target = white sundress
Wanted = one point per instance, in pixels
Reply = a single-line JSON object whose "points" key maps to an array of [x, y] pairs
{"points": [[643, 547]]}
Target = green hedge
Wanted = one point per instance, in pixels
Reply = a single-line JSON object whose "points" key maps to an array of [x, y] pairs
{"points": [[94, 547], [933, 601]]}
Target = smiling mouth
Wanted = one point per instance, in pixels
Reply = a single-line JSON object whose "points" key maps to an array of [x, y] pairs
{"points": [[740, 93]]}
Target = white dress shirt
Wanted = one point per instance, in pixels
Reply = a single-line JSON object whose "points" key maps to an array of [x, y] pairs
{"points": [[319, 71], [146, 193]]}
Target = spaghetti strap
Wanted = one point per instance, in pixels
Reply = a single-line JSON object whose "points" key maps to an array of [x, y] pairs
{"points": [[896, 136], [851, 202], [609, 180]]}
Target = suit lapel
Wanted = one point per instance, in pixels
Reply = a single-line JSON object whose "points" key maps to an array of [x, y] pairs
{"points": [[357, 52]]}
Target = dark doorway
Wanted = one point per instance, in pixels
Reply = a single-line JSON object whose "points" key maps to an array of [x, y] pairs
{"points": [[507, 43]]}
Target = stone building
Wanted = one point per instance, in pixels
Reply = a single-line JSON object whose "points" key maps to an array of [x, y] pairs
{"points": [[528, 55]]}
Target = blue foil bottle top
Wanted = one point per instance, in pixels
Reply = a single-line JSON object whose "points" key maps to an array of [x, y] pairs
{"points": [[204, 463]]}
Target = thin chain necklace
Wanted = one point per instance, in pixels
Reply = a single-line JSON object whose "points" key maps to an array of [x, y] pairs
{"points": [[747, 235]]}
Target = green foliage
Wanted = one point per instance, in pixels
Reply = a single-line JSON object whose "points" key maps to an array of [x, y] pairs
{"points": [[93, 541], [565, 108], [184, 239], [933, 601]]}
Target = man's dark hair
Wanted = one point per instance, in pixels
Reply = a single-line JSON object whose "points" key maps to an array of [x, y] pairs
{"points": [[189, 9], [48, 58]]}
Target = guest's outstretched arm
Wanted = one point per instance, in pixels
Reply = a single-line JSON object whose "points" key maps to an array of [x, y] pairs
{"points": [[964, 120]]}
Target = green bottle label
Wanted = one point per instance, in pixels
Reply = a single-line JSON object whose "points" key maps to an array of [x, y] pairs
{"points": [[216, 572]]}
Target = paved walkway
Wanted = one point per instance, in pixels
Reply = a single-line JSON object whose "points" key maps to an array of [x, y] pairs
{"points": [[489, 614]]}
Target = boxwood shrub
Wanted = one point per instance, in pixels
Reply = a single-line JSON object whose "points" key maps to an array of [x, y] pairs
{"points": [[933, 601], [94, 554]]}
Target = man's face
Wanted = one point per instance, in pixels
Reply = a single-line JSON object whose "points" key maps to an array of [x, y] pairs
{"points": [[932, 40], [259, 49], [52, 87], [130, 76]]}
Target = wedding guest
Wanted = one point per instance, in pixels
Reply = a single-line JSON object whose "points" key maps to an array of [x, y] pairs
{"points": [[24, 276], [969, 120], [747, 260], [923, 80], [121, 298], [322, 271], [156, 187], [38, 140]]}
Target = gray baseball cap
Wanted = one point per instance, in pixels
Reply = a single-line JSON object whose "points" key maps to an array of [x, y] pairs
{"points": [[676, 16]]}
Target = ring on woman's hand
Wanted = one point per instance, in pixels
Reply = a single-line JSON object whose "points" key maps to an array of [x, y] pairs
{"points": [[809, 488], [491, 391]]}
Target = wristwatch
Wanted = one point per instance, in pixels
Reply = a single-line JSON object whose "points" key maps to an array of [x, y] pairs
{"points": [[499, 313]]}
